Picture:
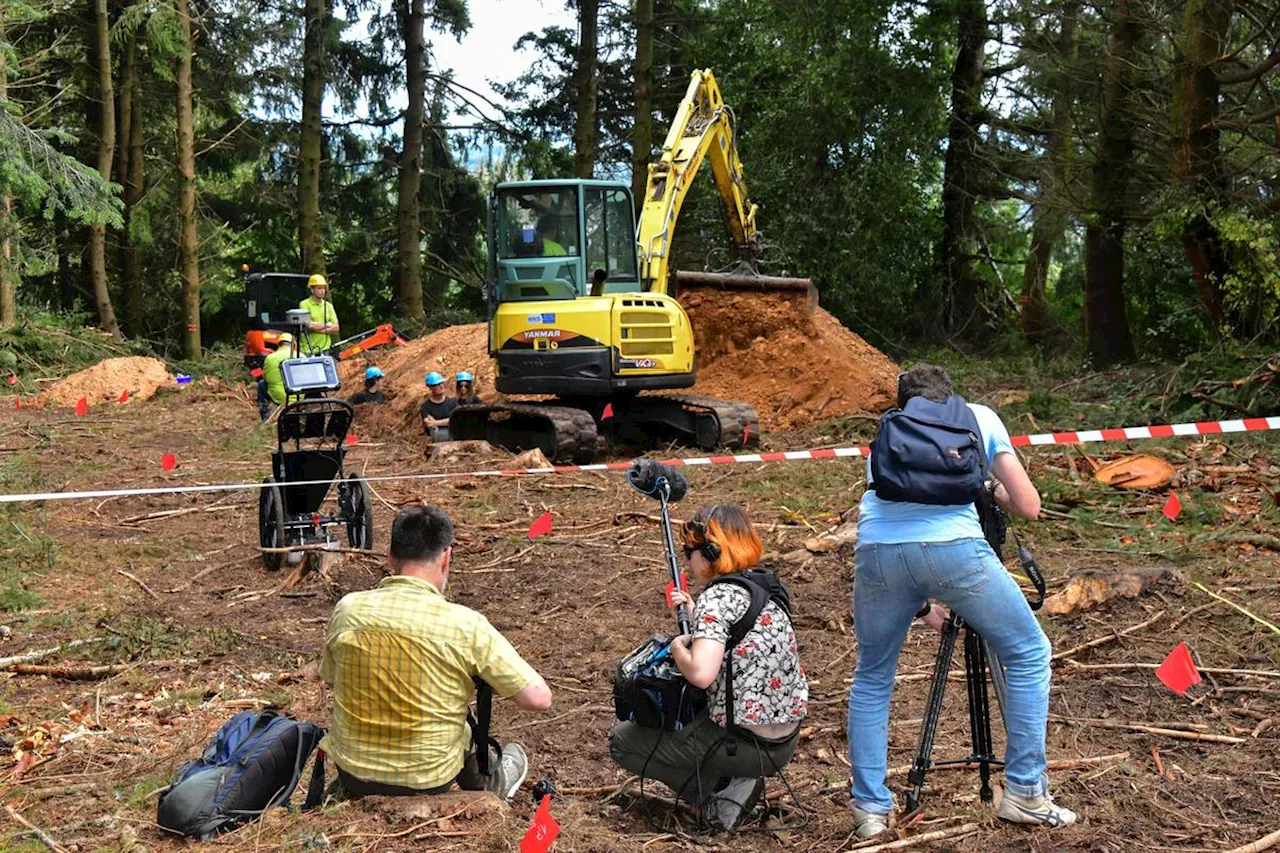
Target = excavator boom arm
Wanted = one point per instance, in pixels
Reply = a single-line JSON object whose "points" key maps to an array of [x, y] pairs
{"points": [[703, 129]]}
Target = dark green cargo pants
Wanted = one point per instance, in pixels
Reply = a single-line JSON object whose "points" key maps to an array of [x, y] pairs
{"points": [[693, 760]]}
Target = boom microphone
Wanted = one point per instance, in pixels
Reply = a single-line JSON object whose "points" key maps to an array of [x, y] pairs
{"points": [[649, 475]]}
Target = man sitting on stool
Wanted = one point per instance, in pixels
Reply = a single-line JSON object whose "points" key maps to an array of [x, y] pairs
{"points": [[401, 659]]}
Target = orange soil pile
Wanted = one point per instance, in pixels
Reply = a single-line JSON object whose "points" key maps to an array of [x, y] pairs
{"points": [[447, 350], [762, 348], [795, 369], [104, 382]]}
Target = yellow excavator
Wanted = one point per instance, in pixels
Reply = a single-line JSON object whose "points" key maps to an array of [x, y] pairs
{"points": [[580, 303]]}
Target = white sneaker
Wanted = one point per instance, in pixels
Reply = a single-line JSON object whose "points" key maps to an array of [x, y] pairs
{"points": [[1039, 811], [509, 772], [869, 824], [729, 805]]}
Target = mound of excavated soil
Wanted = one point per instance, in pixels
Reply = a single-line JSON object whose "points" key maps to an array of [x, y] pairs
{"points": [[795, 368], [762, 348], [447, 350], [106, 380]]}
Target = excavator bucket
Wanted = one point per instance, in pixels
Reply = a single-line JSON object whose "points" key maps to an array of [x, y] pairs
{"points": [[743, 279]]}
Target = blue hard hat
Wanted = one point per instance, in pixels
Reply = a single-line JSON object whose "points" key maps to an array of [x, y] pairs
{"points": [[464, 376], [373, 373], [434, 378]]}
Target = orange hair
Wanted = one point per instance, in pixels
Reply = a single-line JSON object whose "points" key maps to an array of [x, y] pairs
{"points": [[729, 528]]}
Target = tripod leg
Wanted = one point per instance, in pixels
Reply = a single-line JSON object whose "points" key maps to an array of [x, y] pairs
{"points": [[975, 664], [929, 728]]}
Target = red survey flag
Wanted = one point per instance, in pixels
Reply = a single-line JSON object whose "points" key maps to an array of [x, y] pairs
{"points": [[13, 379], [1178, 672], [746, 434], [1172, 507], [543, 831], [541, 527], [351, 438], [82, 407], [168, 462], [607, 413], [17, 402], [671, 587], [124, 396]]}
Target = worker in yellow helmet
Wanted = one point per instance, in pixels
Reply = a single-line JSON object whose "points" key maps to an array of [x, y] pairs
{"points": [[324, 320], [271, 385]]}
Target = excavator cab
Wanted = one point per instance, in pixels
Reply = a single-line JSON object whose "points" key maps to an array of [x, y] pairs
{"points": [[555, 239]]}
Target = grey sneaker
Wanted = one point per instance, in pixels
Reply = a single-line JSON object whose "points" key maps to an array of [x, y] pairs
{"points": [[509, 771], [1039, 811], [729, 805], [869, 824]]}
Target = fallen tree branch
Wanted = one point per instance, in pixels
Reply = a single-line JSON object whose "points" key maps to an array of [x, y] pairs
{"points": [[492, 563], [148, 590], [1060, 764], [1151, 730], [1266, 842], [938, 835], [1107, 639], [1258, 673], [31, 657], [68, 673], [44, 837], [330, 550]]}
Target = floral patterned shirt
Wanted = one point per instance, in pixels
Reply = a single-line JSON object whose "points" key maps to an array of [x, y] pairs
{"points": [[769, 686]]}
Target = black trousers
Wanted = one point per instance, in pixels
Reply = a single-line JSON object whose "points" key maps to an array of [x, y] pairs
{"points": [[469, 778]]}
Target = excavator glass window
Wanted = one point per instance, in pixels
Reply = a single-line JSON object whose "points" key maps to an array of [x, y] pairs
{"points": [[538, 222], [611, 229]]}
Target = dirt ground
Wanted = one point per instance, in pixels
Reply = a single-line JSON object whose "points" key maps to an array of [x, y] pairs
{"points": [[173, 590]]}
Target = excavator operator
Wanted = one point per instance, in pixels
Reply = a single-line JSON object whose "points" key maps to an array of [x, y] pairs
{"points": [[324, 320], [548, 230]]}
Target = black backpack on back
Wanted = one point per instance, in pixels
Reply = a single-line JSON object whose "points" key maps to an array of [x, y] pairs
{"points": [[252, 764], [763, 586]]}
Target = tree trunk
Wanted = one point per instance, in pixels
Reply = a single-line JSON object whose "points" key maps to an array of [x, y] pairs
{"points": [[642, 132], [8, 275], [1106, 325], [188, 240], [962, 173], [586, 136], [130, 254], [106, 155], [1196, 163], [1048, 211], [311, 148], [124, 152], [410, 189]]}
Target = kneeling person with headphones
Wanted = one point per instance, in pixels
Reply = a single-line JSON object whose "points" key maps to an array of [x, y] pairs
{"points": [[757, 694]]}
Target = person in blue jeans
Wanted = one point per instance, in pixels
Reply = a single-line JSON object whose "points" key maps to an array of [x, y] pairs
{"points": [[911, 553]]}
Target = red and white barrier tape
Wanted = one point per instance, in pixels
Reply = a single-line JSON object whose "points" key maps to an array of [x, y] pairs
{"points": [[1078, 437]]}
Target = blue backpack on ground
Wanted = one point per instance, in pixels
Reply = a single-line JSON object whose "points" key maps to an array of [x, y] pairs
{"points": [[252, 764], [929, 453]]}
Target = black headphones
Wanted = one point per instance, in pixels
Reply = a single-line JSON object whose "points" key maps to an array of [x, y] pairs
{"points": [[709, 547]]}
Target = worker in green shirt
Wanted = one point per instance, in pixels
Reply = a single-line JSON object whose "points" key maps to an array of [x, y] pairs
{"points": [[548, 230], [271, 385], [324, 320]]}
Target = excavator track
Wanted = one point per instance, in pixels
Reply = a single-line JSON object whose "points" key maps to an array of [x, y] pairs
{"points": [[705, 422], [564, 434]]}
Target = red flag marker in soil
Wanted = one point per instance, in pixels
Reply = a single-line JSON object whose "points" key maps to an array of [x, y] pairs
{"points": [[1178, 672], [746, 434], [671, 587], [351, 438], [541, 527], [543, 831], [124, 396], [82, 407], [13, 379], [168, 462], [607, 413], [1172, 507], [17, 402]]}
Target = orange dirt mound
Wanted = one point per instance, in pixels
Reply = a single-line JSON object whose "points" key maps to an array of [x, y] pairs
{"points": [[795, 369], [761, 348], [103, 383], [447, 350]]}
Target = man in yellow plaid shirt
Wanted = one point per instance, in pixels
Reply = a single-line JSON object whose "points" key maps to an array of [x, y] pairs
{"points": [[401, 659]]}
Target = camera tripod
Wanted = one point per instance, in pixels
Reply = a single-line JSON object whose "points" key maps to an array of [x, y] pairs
{"points": [[979, 660]]}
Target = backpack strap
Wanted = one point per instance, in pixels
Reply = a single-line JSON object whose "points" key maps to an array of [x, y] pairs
{"points": [[479, 723], [315, 788], [760, 597]]}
